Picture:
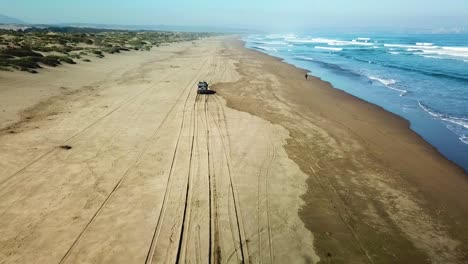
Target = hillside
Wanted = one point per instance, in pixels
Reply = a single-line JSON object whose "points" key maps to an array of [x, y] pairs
{"points": [[9, 20]]}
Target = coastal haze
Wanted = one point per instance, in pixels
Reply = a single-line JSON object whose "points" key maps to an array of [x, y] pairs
{"points": [[331, 131]]}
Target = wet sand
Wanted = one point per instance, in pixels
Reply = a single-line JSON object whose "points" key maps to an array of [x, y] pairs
{"points": [[377, 192], [122, 162]]}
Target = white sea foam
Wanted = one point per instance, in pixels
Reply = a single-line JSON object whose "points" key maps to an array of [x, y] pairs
{"points": [[384, 81], [425, 48], [266, 48], [460, 121], [330, 42], [304, 58], [433, 57], [424, 44], [271, 42], [449, 51], [394, 52], [328, 48], [388, 83], [274, 36], [464, 139], [364, 39], [409, 46]]}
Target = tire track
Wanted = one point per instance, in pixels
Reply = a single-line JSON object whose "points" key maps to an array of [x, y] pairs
{"points": [[267, 194], [157, 230], [134, 115], [332, 199], [239, 222], [211, 196], [40, 157], [185, 219], [187, 208], [64, 258]]}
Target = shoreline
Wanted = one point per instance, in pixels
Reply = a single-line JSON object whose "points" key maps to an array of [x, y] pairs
{"points": [[269, 168], [370, 152], [406, 122]]}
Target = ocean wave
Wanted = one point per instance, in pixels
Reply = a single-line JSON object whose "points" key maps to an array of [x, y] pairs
{"points": [[304, 58], [388, 83], [330, 42], [394, 52], [448, 51], [411, 69], [328, 48], [269, 42], [349, 43], [455, 52], [433, 57], [424, 44], [364, 39], [384, 81], [310, 40], [464, 139], [403, 46], [274, 36], [265, 48], [460, 121]]}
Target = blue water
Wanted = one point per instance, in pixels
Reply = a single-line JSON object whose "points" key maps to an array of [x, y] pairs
{"points": [[423, 78]]}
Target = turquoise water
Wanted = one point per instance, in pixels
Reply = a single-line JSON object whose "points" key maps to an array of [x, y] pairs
{"points": [[423, 78]]}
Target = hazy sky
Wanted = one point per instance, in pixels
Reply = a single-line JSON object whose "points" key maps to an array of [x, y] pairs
{"points": [[284, 14]]}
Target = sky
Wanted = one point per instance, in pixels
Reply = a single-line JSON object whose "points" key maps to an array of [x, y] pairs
{"points": [[255, 14]]}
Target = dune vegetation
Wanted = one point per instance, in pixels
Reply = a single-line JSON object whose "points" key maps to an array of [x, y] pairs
{"points": [[36, 48]]}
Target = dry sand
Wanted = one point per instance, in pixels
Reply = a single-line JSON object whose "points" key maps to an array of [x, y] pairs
{"points": [[120, 161]]}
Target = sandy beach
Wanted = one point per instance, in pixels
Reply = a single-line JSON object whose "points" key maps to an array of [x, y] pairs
{"points": [[121, 161]]}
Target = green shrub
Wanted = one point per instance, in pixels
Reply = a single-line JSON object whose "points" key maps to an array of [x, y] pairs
{"points": [[98, 53], [21, 52], [3, 68], [112, 50], [75, 56], [5, 56], [62, 59], [67, 60], [24, 62], [51, 61]]}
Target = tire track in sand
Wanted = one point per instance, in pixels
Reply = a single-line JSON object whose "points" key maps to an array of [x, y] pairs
{"points": [[81, 131], [243, 247], [157, 229], [189, 85]]}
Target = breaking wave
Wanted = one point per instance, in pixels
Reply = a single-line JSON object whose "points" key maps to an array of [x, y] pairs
{"points": [[461, 122], [328, 48], [388, 83]]}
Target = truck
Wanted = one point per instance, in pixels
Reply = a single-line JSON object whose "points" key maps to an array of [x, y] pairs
{"points": [[203, 88]]}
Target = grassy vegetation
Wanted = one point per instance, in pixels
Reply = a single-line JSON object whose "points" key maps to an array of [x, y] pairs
{"points": [[35, 48]]}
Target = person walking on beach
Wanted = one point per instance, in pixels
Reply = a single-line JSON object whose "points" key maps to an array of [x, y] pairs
{"points": [[306, 76]]}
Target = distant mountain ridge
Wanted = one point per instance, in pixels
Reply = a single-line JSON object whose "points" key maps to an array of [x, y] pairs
{"points": [[161, 27], [9, 20]]}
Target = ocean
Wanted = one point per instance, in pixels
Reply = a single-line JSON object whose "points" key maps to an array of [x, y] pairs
{"points": [[420, 77]]}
